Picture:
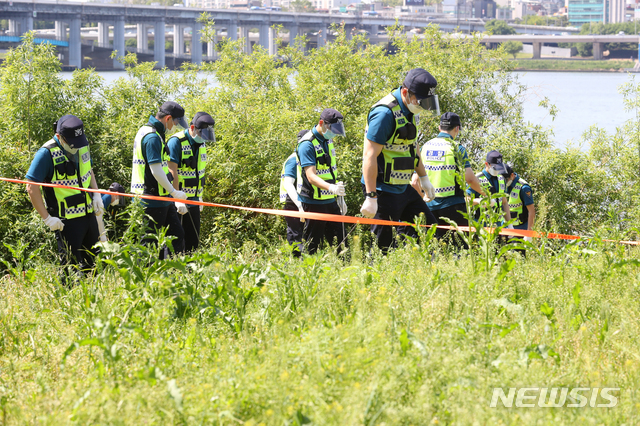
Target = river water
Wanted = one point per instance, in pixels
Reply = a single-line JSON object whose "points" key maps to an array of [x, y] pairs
{"points": [[582, 100]]}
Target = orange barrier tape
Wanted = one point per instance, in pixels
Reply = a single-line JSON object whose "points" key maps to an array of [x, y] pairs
{"points": [[323, 216]]}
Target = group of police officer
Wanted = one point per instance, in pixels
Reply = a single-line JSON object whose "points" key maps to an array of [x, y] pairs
{"points": [[400, 180], [173, 169]]}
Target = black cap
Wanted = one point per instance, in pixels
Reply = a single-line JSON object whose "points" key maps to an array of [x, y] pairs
{"points": [[116, 187], [202, 120], [494, 158], [420, 83], [173, 109], [449, 120], [509, 170], [301, 133], [72, 130], [330, 116]]}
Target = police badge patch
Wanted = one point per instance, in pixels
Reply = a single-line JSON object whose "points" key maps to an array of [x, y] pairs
{"points": [[86, 157]]}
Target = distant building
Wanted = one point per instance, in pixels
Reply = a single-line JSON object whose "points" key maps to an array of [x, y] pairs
{"points": [[504, 13], [484, 9], [605, 11]]}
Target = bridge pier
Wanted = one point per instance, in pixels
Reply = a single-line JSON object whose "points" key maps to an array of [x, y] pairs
{"points": [[178, 40], [294, 31], [537, 46], [142, 39], [75, 47], [597, 50], [322, 36], [232, 31], [118, 43], [158, 43], [196, 43], [349, 30], [103, 34], [247, 42], [27, 24]]}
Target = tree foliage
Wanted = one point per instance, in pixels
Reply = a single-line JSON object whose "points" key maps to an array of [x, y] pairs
{"points": [[512, 47], [498, 27]]}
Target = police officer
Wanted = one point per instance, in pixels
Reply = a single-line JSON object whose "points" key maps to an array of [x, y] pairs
{"points": [[492, 179], [520, 201], [443, 158], [390, 156], [65, 160], [188, 152], [318, 187], [289, 197], [150, 173], [114, 207]]}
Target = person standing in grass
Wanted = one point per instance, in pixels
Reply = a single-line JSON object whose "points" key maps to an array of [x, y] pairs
{"points": [[289, 197], [188, 162], [390, 156], [150, 174], [521, 205], [318, 188], [443, 160], [491, 178], [70, 213]]}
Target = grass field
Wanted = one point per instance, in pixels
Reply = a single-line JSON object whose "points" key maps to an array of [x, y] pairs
{"points": [[572, 64], [254, 337]]}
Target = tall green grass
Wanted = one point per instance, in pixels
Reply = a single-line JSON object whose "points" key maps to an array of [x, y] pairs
{"points": [[417, 337]]}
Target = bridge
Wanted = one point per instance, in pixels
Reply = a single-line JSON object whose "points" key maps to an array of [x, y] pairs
{"points": [[232, 23], [538, 40]]}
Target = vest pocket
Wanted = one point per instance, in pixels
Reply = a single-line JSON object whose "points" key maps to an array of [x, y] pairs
{"points": [[75, 200], [403, 163]]}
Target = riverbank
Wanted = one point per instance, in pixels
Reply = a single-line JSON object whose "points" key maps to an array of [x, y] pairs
{"points": [[574, 65]]}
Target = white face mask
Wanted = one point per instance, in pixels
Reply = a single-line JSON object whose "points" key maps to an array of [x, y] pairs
{"points": [[68, 148], [493, 172], [415, 109]]}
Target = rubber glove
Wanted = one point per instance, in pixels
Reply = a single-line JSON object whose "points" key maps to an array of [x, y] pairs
{"points": [[528, 239], [201, 207], [369, 207], [54, 223], [337, 188], [300, 209], [182, 208], [98, 205], [179, 195], [509, 226], [342, 205], [428, 188], [493, 202]]}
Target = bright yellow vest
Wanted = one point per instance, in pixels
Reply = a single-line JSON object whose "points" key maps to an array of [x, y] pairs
{"points": [[326, 169], [191, 179], [439, 159], [138, 184], [71, 203], [516, 206], [398, 159]]}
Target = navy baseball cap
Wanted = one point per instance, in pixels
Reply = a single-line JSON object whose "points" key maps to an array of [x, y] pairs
{"points": [[450, 120], [202, 120], [71, 128], [334, 119], [175, 111], [494, 158], [301, 133], [420, 83], [508, 170], [116, 187]]}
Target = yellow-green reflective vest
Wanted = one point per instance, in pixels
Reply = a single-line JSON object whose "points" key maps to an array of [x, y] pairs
{"points": [[398, 158], [283, 191], [516, 206], [138, 184], [439, 159], [191, 169], [484, 182], [326, 169], [71, 203]]}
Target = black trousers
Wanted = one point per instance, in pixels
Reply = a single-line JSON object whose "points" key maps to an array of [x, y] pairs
{"points": [[76, 240], [453, 213], [406, 207], [191, 226], [294, 229], [159, 217], [317, 230]]}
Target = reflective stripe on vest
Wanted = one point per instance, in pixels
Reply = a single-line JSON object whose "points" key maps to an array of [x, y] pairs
{"points": [[484, 182], [516, 206], [191, 179], [398, 158], [138, 184], [438, 157], [72, 203], [326, 169], [283, 191]]}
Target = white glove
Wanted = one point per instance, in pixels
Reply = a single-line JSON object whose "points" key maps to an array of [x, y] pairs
{"points": [[201, 207], [103, 238], [342, 205], [301, 210], [510, 227], [54, 223], [493, 202], [179, 195], [528, 239], [98, 205], [182, 208], [337, 188], [369, 207], [428, 188]]}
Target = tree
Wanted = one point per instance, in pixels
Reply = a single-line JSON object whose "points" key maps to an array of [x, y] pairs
{"points": [[512, 47], [496, 27], [302, 6]]}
